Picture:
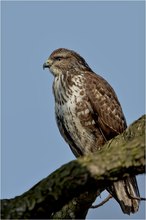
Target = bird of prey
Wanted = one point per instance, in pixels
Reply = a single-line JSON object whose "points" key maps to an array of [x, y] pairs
{"points": [[88, 114]]}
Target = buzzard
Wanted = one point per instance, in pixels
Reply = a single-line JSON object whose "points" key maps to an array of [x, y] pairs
{"points": [[88, 114]]}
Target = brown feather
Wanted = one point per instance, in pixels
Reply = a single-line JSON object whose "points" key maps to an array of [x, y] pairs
{"points": [[88, 113]]}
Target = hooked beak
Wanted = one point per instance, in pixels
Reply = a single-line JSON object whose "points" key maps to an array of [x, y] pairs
{"points": [[47, 64]]}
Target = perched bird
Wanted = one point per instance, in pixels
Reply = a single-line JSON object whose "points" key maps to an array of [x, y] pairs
{"points": [[88, 114]]}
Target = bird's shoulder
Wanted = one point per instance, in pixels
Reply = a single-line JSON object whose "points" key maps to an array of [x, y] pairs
{"points": [[105, 104]]}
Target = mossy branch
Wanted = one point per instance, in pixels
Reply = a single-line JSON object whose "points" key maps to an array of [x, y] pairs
{"points": [[70, 191]]}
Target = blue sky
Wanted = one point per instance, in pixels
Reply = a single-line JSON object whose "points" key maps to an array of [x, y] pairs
{"points": [[109, 35]]}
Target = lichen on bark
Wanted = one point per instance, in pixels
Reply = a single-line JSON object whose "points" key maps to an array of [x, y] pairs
{"points": [[70, 191]]}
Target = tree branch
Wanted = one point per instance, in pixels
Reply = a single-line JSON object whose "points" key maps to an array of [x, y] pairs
{"points": [[70, 191]]}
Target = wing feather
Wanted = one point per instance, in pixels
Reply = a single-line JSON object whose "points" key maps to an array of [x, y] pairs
{"points": [[107, 110]]}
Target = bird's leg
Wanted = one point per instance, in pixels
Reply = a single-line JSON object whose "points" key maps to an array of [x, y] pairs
{"points": [[103, 202]]}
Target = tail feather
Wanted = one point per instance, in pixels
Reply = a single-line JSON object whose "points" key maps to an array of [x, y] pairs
{"points": [[123, 191]]}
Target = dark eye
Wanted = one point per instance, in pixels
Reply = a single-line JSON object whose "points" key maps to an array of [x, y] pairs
{"points": [[58, 58]]}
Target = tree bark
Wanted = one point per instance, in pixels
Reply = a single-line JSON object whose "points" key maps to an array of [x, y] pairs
{"points": [[70, 191]]}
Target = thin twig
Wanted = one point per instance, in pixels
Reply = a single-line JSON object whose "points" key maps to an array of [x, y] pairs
{"points": [[103, 202], [138, 198]]}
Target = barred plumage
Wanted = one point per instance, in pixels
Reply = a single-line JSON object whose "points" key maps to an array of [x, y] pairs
{"points": [[88, 114]]}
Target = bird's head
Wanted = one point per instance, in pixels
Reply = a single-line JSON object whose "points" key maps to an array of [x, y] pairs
{"points": [[63, 60]]}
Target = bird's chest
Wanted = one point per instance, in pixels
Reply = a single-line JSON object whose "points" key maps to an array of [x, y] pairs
{"points": [[74, 114], [69, 94]]}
